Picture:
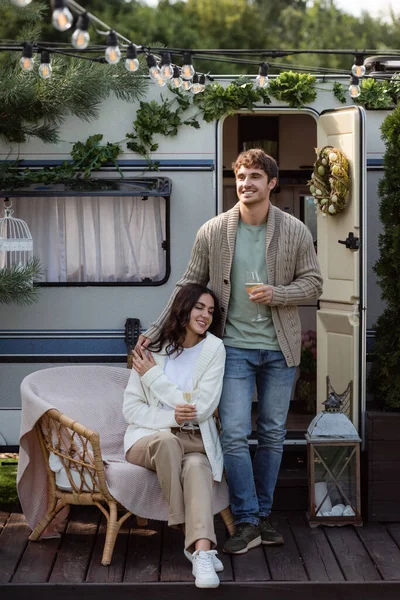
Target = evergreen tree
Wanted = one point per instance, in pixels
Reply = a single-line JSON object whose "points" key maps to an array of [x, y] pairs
{"points": [[385, 371]]}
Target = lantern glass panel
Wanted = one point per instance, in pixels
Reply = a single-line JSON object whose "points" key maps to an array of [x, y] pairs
{"points": [[337, 467]]}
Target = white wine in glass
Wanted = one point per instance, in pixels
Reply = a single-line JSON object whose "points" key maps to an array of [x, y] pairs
{"points": [[188, 425], [252, 281]]}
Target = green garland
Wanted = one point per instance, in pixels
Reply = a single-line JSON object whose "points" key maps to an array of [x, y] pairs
{"points": [[17, 283]]}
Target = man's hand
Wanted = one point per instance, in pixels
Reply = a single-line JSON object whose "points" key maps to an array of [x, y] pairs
{"points": [[185, 412], [262, 294], [142, 343], [142, 361]]}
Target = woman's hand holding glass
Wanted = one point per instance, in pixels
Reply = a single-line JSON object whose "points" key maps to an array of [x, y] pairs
{"points": [[184, 413]]}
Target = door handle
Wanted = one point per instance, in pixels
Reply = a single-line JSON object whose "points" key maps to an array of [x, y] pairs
{"points": [[351, 242]]}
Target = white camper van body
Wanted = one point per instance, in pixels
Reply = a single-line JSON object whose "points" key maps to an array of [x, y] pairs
{"points": [[75, 324]]}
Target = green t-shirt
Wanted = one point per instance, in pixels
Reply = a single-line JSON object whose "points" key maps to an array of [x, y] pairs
{"points": [[240, 330]]}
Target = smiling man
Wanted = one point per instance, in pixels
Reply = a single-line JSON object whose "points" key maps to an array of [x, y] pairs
{"points": [[261, 331]]}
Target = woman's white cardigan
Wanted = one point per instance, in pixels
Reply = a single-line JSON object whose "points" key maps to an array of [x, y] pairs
{"points": [[141, 408]]}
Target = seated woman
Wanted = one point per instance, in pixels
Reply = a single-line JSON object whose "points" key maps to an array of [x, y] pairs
{"points": [[169, 403]]}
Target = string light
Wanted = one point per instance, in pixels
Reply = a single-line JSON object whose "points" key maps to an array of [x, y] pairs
{"points": [[62, 18], [80, 37], [187, 70], [113, 52], [167, 70], [45, 66], [186, 84], [26, 60], [196, 87], [131, 62], [154, 69], [358, 69], [21, 3], [262, 77], [176, 80], [202, 82], [354, 87]]}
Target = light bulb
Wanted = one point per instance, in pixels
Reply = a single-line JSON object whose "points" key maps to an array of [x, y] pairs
{"points": [[167, 70], [176, 80], [131, 62], [80, 37], [154, 69], [262, 77], [196, 87], [62, 18], [45, 66], [186, 84], [160, 81], [187, 70], [21, 2], [358, 70], [113, 52], [26, 60], [354, 90]]}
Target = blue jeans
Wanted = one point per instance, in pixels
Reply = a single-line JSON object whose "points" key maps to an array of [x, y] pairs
{"points": [[251, 487]]}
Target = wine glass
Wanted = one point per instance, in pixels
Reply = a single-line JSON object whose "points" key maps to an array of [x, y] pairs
{"points": [[251, 282], [188, 425]]}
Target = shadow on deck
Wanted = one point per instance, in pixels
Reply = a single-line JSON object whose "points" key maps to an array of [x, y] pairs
{"points": [[335, 563]]}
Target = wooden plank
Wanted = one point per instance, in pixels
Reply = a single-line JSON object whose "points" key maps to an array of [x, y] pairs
{"points": [[143, 555], [385, 511], [286, 499], [382, 549], [384, 450], [351, 554], [4, 516], [285, 562], [37, 562], [113, 573], [394, 531], [251, 566], [270, 590], [222, 535], [319, 560], [174, 565], [384, 470], [384, 426], [384, 491], [13, 541], [73, 558]]}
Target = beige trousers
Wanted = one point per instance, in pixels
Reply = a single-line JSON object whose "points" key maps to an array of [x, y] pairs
{"points": [[185, 476]]}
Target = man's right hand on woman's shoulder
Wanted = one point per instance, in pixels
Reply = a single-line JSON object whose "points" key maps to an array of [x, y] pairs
{"points": [[142, 343]]}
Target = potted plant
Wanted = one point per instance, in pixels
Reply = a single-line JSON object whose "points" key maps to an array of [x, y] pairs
{"points": [[306, 386]]}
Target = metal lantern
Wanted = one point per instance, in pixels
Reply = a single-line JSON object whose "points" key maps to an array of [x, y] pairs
{"points": [[333, 446], [16, 243]]}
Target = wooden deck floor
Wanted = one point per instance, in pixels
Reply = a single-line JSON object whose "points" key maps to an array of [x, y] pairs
{"points": [[368, 555]]}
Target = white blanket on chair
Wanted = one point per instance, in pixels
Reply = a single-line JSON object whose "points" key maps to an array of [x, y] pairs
{"points": [[93, 396]]}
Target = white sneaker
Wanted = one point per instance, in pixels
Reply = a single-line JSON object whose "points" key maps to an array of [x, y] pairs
{"points": [[203, 569], [218, 566]]}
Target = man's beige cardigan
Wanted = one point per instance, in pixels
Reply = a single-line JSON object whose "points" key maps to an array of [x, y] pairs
{"points": [[293, 271]]}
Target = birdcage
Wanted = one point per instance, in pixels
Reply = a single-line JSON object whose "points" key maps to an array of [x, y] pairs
{"points": [[16, 243]]}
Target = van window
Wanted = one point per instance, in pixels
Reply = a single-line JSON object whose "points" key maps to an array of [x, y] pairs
{"points": [[98, 239]]}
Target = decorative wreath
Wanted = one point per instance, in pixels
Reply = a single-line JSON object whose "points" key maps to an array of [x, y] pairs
{"points": [[330, 180]]}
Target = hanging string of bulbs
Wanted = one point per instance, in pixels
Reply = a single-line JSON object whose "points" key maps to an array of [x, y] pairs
{"points": [[161, 69]]}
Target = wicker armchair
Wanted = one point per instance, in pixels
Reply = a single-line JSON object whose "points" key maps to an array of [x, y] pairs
{"points": [[72, 454]]}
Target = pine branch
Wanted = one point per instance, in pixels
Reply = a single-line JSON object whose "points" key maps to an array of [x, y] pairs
{"points": [[16, 283]]}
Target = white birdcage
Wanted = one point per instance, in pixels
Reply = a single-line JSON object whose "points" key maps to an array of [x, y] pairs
{"points": [[16, 244]]}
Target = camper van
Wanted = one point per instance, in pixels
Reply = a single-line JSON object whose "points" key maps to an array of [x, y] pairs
{"points": [[136, 234]]}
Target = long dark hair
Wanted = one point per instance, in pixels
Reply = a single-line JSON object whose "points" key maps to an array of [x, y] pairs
{"points": [[174, 330]]}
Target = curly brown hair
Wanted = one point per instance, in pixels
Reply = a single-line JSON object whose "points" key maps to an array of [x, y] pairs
{"points": [[173, 332], [257, 159]]}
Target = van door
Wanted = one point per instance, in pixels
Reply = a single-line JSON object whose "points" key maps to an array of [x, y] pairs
{"points": [[341, 315]]}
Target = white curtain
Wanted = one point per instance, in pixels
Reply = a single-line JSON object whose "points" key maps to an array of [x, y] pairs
{"points": [[97, 238]]}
